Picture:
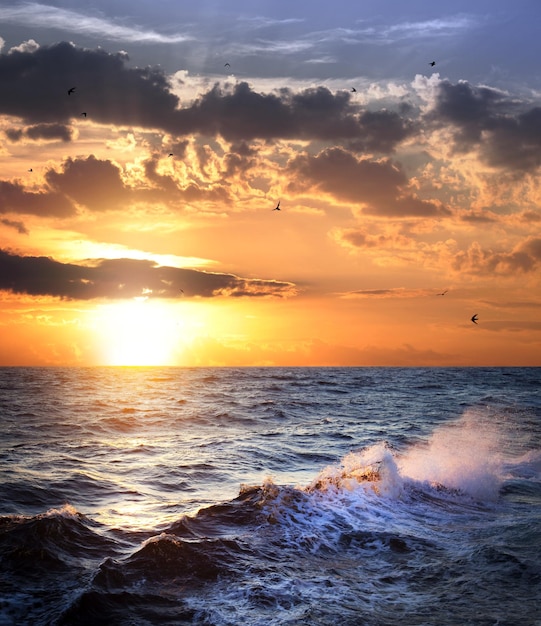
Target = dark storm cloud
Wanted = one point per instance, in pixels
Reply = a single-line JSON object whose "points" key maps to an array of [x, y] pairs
{"points": [[506, 133], [380, 185], [124, 278], [35, 85], [41, 132], [242, 113], [381, 131], [15, 199], [312, 114]]}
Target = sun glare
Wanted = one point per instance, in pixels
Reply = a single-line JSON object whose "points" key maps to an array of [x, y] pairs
{"points": [[139, 332]]}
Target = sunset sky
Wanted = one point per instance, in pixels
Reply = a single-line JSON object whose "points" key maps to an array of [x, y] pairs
{"points": [[136, 212]]}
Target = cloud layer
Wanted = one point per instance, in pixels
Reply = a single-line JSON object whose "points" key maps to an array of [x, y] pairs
{"points": [[124, 279]]}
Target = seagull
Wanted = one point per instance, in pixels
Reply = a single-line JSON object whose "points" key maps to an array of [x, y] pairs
{"points": [[83, 113], [71, 90], [277, 207], [442, 293], [474, 318], [353, 89], [432, 63], [170, 154], [227, 65]]}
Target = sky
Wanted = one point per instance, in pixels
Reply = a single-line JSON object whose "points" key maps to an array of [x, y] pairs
{"points": [[144, 148]]}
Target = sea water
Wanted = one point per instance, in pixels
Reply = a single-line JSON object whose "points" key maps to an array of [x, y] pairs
{"points": [[270, 496]]}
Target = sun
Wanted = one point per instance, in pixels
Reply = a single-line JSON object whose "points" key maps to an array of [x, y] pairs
{"points": [[138, 332]]}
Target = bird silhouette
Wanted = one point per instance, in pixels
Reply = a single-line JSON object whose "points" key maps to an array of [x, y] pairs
{"points": [[227, 65], [83, 113], [474, 318], [353, 89], [170, 155], [71, 90], [30, 170], [432, 63], [442, 293], [277, 208]]}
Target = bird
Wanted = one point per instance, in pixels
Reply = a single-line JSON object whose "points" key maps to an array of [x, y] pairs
{"points": [[277, 208], [353, 89], [71, 90], [442, 293], [30, 170], [170, 155], [474, 318], [227, 65], [83, 113], [432, 63]]}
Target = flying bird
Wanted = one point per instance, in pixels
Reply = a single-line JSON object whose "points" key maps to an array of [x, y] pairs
{"points": [[71, 90], [30, 170], [474, 318], [83, 113], [277, 208], [227, 65], [353, 89], [170, 155], [432, 63], [442, 293]]}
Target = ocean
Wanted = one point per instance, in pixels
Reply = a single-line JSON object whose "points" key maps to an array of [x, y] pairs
{"points": [[270, 496]]}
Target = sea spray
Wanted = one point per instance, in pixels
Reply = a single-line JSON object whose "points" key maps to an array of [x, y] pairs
{"points": [[465, 455]]}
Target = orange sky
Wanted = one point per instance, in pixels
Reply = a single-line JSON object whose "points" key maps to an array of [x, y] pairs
{"points": [[114, 252]]}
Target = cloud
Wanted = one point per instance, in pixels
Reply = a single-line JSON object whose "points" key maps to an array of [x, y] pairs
{"points": [[25, 46], [527, 326], [241, 113], [372, 33], [439, 27], [36, 85], [189, 189], [397, 292], [359, 238], [505, 132], [381, 131], [15, 199], [18, 226], [380, 185], [525, 257], [92, 182], [36, 15], [35, 88], [99, 185], [44, 132], [125, 278]]}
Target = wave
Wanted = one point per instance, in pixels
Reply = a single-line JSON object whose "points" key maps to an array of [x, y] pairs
{"points": [[379, 537], [56, 539]]}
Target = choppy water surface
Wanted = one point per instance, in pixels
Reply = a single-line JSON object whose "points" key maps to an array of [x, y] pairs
{"points": [[270, 496]]}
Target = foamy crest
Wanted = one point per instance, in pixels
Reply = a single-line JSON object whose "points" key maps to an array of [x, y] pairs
{"points": [[67, 511], [372, 469], [465, 455]]}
